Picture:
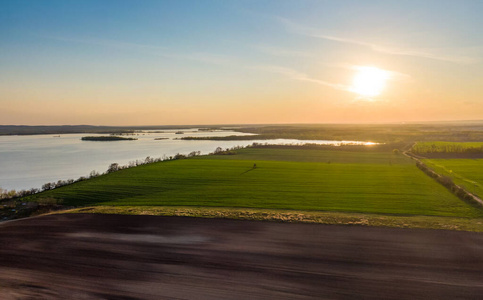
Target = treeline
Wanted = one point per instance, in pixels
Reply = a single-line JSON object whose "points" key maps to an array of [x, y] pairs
{"points": [[446, 147], [356, 147], [10, 194], [64, 129], [395, 147]]}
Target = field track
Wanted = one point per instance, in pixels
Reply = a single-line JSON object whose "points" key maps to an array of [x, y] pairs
{"points": [[88, 256]]}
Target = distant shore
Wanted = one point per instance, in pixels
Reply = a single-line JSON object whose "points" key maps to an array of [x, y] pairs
{"points": [[68, 129], [107, 138]]}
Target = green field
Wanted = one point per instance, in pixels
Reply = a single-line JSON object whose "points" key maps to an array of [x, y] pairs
{"points": [[464, 172], [289, 179]]}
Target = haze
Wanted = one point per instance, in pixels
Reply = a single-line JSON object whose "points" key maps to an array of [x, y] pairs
{"points": [[225, 62]]}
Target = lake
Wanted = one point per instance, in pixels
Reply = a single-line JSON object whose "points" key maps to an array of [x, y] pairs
{"points": [[30, 161]]}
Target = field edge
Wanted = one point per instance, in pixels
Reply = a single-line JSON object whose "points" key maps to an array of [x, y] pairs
{"points": [[293, 216]]}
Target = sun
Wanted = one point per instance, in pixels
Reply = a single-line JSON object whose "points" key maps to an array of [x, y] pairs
{"points": [[369, 81]]}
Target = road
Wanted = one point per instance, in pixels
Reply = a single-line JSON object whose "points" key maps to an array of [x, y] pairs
{"points": [[87, 256]]}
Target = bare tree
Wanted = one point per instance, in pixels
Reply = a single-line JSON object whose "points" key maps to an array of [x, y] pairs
{"points": [[113, 168]]}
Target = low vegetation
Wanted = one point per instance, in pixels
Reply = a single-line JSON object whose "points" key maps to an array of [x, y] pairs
{"points": [[294, 216]]}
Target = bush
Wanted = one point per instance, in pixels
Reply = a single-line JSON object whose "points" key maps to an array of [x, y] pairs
{"points": [[113, 168], [179, 156]]}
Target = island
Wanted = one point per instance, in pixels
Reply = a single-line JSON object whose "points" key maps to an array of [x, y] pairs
{"points": [[106, 138]]}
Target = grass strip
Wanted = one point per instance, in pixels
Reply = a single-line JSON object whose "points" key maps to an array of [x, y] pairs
{"points": [[294, 216]]}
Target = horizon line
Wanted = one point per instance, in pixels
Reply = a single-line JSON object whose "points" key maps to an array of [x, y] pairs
{"points": [[257, 124]]}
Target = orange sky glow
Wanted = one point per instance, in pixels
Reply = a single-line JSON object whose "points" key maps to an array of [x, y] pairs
{"points": [[310, 62]]}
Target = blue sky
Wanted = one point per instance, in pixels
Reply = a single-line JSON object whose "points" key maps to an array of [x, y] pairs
{"points": [[209, 62]]}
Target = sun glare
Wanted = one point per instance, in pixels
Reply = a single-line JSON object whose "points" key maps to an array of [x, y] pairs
{"points": [[369, 81]]}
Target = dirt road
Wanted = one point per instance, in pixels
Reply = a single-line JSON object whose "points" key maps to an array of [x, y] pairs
{"points": [[86, 256]]}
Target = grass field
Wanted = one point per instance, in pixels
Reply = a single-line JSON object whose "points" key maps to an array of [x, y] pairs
{"points": [[293, 179], [299, 154], [464, 172]]}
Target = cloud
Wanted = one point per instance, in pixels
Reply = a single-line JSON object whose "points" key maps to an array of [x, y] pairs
{"points": [[201, 57], [461, 55], [315, 59], [277, 51], [224, 59], [296, 75], [299, 76], [391, 75]]}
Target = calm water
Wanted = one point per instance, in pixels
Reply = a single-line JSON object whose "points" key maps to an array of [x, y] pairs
{"points": [[30, 161]]}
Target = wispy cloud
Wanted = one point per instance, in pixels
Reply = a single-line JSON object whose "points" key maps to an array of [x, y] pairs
{"points": [[201, 57], [290, 53], [299, 76], [296, 75], [468, 55], [277, 51], [391, 75], [150, 49]]}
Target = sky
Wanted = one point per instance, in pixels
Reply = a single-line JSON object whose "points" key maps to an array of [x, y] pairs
{"points": [[239, 62]]}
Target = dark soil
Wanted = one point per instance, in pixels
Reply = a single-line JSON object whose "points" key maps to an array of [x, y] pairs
{"points": [[85, 256]]}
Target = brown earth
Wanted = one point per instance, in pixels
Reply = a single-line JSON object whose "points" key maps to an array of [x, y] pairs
{"points": [[87, 256]]}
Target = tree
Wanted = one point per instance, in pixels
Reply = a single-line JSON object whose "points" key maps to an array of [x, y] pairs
{"points": [[47, 186], [194, 153], [179, 156], [113, 168], [60, 183], [12, 193]]}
